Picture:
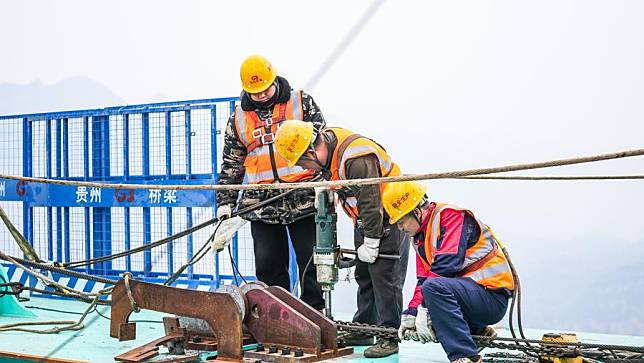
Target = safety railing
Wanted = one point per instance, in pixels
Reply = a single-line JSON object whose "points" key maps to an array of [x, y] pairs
{"points": [[171, 142]]}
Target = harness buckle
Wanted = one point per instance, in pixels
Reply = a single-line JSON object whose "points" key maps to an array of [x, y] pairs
{"points": [[267, 139], [268, 122]]}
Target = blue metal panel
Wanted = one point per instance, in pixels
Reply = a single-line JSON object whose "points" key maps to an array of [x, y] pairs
{"points": [[188, 145], [147, 231], [27, 147], [147, 237], [96, 167], [65, 149], [59, 139], [170, 245], [146, 108], [168, 144], [50, 237], [168, 172], [59, 234], [86, 148], [126, 220], [126, 147], [48, 173], [126, 176], [66, 224], [101, 167], [59, 211], [86, 139], [66, 242], [190, 246], [54, 195]]}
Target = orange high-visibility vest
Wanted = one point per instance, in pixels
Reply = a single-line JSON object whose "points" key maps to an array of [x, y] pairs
{"points": [[263, 164], [351, 146], [484, 262]]}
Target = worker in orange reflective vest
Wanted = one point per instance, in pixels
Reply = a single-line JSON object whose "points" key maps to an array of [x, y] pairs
{"points": [[339, 154], [464, 278], [267, 100]]}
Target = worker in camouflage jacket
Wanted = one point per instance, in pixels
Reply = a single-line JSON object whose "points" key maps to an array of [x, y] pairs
{"points": [[249, 156]]}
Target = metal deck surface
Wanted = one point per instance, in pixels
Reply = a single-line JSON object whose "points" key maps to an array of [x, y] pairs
{"points": [[93, 343]]}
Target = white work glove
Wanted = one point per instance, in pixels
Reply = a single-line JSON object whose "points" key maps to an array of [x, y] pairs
{"points": [[224, 211], [368, 251], [225, 232], [424, 327], [407, 328]]}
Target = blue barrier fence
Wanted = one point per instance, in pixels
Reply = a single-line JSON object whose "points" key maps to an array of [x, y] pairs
{"points": [[161, 143]]}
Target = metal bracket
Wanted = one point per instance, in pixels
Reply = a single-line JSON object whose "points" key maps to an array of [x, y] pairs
{"points": [[219, 310]]}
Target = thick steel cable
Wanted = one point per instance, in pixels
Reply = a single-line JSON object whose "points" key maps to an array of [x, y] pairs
{"points": [[578, 177], [50, 282], [346, 183], [59, 270], [22, 242], [196, 258], [69, 325], [148, 246], [174, 236]]}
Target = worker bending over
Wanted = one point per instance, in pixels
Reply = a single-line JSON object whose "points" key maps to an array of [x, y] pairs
{"points": [[340, 154], [464, 279]]}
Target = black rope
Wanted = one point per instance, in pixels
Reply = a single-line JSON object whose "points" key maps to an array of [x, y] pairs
{"points": [[9, 288], [235, 269], [141, 248], [196, 258], [174, 237], [304, 272]]}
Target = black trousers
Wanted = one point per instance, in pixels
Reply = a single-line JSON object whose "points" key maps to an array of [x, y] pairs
{"points": [[270, 244], [380, 283]]}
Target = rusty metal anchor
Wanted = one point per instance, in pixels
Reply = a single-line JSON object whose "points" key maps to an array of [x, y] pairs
{"points": [[274, 318], [218, 309]]}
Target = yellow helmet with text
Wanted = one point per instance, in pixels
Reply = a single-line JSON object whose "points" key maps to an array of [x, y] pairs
{"points": [[400, 198], [293, 138]]}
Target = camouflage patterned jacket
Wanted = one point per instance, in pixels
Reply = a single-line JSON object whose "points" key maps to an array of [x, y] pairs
{"points": [[293, 207]]}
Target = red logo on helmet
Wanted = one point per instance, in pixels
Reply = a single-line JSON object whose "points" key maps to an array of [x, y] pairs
{"points": [[396, 204], [254, 79]]}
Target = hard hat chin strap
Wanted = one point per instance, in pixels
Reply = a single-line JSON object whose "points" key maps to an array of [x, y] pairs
{"points": [[416, 217]]}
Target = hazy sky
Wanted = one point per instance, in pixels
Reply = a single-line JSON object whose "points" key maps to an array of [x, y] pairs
{"points": [[443, 85]]}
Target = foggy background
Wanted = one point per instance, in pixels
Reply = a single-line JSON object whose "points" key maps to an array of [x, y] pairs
{"points": [[442, 85]]}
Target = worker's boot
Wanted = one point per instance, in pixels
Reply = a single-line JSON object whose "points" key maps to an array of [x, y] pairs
{"points": [[382, 348], [355, 339], [487, 332], [476, 359]]}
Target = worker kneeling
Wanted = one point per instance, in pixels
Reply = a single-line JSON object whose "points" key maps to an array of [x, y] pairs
{"points": [[464, 279]]}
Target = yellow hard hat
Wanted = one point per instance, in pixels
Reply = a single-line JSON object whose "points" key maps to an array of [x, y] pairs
{"points": [[400, 198], [292, 139], [257, 74]]}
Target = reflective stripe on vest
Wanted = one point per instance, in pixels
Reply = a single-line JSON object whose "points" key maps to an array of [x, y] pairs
{"points": [[358, 147], [258, 135], [495, 271]]}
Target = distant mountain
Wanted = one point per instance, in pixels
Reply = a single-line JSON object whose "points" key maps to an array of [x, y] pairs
{"points": [[591, 287], [70, 93]]}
